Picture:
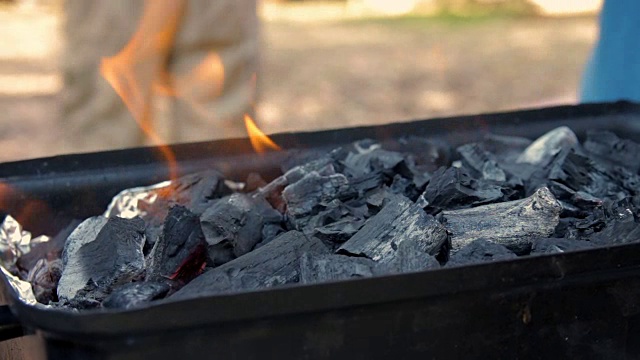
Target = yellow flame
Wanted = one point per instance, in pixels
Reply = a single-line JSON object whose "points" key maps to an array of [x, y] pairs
{"points": [[260, 142]]}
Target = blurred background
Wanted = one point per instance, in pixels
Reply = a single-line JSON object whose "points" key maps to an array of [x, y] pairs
{"points": [[322, 64]]}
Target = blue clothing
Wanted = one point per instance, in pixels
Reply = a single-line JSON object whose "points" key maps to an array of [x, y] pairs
{"points": [[613, 72]]}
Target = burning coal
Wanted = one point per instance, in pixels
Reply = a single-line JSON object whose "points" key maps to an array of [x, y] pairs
{"points": [[367, 209]]}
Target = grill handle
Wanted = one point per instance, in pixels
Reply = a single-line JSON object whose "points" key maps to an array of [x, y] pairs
{"points": [[10, 326]]}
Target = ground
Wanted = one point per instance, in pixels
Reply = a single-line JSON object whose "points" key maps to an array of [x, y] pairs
{"points": [[327, 74]]}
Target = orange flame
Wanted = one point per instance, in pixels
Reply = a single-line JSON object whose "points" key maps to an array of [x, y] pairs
{"points": [[133, 71], [260, 142]]}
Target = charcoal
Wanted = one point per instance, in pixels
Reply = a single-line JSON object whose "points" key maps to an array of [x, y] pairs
{"points": [[273, 264], [44, 277], [553, 246], [272, 192], [316, 267], [399, 221], [404, 186], [513, 224], [107, 258], [453, 188], [232, 227], [505, 149], [480, 250], [270, 232], [410, 257], [619, 231], [605, 145], [481, 162], [304, 197], [181, 251], [339, 231], [370, 159], [579, 173], [135, 294], [542, 151], [422, 155], [50, 250]]}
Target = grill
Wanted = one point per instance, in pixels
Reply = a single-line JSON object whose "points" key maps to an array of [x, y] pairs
{"points": [[581, 304]]}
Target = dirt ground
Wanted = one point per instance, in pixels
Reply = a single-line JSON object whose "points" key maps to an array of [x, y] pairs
{"points": [[333, 74]]}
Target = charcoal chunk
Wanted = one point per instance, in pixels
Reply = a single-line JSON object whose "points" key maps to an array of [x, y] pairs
{"points": [[273, 264], [605, 145], [111, 257], [44, 277], [371, 159], [410, 257], [453, 188], [135, 294], [542, 151], [478, 251], [481, 162], [232, 227], [180, 253], [580, 173], [399, 221], [311, 194], [553, 246], [513, 224], [617, 232], [505, 149], [316, 267]]}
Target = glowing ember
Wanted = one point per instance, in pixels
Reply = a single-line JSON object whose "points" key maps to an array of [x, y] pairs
{"points": [[260, 142]]}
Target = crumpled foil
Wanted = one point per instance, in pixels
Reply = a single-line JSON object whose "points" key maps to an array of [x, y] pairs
{"points": [[15, 242], [126, 204], [22, 288]]}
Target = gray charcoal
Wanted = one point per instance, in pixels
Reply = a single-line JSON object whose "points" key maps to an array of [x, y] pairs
{"points": [[454, 188], [316, 267], [505, 149], [370, 160], [478, 251], [410, 257], [85, 233], [481, 162], [135, 294], [399, 221], [339, 231], [605, 145], [180, 253], [44, 277], [113, 256], [554, 246], [580, 173], [542, 151], [513, 224], [617, 232], [232, 227], [307, 196], [275, 263]]}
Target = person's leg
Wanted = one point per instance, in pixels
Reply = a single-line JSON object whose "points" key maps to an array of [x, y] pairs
{"points": [[613, 72]]}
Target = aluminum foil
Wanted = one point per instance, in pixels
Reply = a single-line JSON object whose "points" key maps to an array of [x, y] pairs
{"points": [[127, 203], [22, 288], [15, 242]]}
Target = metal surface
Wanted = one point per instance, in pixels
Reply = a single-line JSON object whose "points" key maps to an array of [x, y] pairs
{"points": [[576, 305]]}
